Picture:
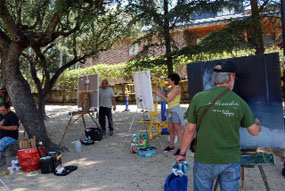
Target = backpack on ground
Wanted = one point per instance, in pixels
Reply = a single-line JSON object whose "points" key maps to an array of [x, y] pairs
{"points": [[96, 134]]}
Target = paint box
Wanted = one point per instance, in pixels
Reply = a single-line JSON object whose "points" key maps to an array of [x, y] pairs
{"points": [[258, 158], [139, 141], [147, 152]]}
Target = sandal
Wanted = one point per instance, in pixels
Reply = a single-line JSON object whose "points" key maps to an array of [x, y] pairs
{"points": [[65, 170]]}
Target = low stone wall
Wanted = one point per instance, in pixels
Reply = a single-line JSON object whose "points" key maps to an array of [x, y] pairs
{"points": [[61, 96]]}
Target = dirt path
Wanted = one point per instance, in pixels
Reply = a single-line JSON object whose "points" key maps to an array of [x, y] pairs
{"points": [[108, 165]]}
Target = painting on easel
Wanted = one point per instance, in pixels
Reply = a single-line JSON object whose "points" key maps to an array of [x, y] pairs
{"points": [[258, 82], [143, 90], [87, 93]]}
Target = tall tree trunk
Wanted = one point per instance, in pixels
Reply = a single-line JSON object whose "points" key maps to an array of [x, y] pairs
{"points": [[257, 31], [21, 96], [167, 38], [41, 105]]}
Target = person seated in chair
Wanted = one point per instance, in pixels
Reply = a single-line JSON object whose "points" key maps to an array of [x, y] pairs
{"points": [[9, 124]]}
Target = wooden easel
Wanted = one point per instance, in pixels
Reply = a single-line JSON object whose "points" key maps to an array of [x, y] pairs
{"points": [[252, 166], [242, 175], [85, 110], [262, 175]]}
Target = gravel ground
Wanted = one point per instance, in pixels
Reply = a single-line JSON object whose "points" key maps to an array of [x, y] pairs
{"points": [[110, 166]]}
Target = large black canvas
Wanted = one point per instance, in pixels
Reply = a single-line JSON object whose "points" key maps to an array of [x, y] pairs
{"points": [[258, 83]]}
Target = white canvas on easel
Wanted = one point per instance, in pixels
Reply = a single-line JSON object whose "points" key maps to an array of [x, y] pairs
{"points": [[143, 90]]}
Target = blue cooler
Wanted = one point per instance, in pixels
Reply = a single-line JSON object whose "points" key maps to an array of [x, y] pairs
{"points": [[147, 152]]}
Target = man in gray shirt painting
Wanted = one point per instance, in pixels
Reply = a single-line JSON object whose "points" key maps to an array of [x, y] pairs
{"points": [[106, 101]]}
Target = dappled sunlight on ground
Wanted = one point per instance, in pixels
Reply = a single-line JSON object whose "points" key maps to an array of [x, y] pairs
{"points": [[109, 165]]}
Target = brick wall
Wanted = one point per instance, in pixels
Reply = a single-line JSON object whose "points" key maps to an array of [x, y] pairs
{"points": [[120, 52]]}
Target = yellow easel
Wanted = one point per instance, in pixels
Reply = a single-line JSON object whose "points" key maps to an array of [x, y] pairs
{"points": [[153, 124]]}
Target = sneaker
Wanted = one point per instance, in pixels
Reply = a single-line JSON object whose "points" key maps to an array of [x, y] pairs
{"points": [[168, 149], [177, 152], [111, 133]]}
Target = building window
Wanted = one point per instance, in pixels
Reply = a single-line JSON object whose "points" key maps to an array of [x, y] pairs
{"points": [[134, 49]]}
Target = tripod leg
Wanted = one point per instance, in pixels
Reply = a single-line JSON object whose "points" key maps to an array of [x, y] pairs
{"points": [[94, 121], [242, 178], [264, 177], [68, 124], [83, 121]]}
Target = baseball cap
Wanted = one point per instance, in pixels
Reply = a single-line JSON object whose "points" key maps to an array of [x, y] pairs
{"points": [[226, 66]]}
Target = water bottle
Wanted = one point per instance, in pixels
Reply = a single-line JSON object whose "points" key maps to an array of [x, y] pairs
{"points": [[77, 146], [17, 165], [180, 168]]}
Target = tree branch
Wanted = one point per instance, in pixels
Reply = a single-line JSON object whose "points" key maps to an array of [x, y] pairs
{"points": [[74, 45], [263, 5], [43, 62], [38, 21], [33, 71], [63, 68], [76, 28], [62, 33], [47, 48], [18, 12], [53, 23], [9, 22], [4, 40]]}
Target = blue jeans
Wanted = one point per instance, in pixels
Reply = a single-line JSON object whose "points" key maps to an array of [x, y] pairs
{"points": [[205, 175], [5, 142]]}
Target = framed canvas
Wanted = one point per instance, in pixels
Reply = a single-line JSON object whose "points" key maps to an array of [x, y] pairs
{"points": [[143, 90], [88, 83]]}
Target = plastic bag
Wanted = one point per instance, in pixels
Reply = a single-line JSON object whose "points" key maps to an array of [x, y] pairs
{"points": [[29, 158], [176, 183]]}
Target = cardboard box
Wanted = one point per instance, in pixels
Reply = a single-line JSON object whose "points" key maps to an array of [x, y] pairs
{"points": [[25, 143]]}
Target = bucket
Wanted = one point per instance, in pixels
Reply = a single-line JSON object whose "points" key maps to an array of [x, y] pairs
{"points": [[77, 146]]}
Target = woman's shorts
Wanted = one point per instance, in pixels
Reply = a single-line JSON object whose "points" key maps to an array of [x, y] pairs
{"points": [[173, 117]]}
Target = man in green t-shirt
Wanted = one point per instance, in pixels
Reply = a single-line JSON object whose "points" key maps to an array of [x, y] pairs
{"points": [[218, 140]]}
